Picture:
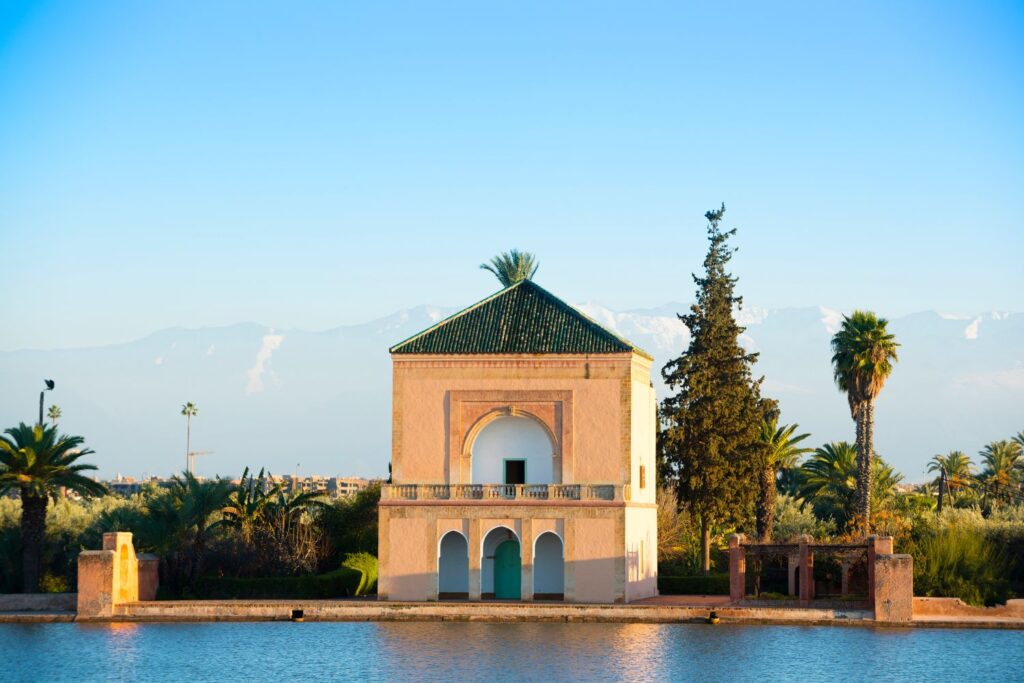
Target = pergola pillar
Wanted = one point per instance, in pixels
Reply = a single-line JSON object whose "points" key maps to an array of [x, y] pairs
{"points": [[737, 568]]}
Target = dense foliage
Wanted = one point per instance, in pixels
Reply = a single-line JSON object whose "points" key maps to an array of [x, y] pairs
{"points": [[973, 549], [212, 538]]}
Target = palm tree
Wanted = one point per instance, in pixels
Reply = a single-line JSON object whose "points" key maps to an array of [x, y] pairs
{"points": [[780, 453], [54, 414], [829, 482], [512, 266], [1003, 463], [863, 353], [957, 469], [198, 502], [249, 503], [38, 463], [189, 410]]}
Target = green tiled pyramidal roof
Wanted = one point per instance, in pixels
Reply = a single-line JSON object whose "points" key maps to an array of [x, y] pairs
{"points": [[523, 318]]}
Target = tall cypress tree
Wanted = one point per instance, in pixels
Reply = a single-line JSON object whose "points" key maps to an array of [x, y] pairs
{"points": [[710, 426]]}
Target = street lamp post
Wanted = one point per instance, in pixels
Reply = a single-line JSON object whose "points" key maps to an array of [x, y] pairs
{"points": [[49, 387]]}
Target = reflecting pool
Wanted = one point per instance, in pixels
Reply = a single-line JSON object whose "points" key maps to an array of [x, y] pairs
{"points": [[284, 651]]}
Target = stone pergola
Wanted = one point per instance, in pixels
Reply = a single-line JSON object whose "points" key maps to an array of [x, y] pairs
{"points": [[890, 580]]}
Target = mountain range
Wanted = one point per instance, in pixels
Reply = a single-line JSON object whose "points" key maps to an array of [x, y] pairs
{"points": [[319, 402]]}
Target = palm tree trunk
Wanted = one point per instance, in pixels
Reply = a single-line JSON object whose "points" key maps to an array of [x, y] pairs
{"points": [[859, 521], [33, 530], [869, 453], [188, 439], [766, 504], [705, 544]]}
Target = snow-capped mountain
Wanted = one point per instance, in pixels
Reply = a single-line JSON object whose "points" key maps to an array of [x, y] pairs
{"points": [[320, 401]]}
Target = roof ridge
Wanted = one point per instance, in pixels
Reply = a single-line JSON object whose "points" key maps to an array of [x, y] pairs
{"points": [[457, 314]]}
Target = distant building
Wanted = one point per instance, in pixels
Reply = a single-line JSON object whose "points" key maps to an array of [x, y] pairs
{"points": [[129, 486], [343, 487], [334, 487]]}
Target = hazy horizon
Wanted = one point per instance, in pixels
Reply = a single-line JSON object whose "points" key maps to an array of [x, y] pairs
{"points": [[259, 388]]}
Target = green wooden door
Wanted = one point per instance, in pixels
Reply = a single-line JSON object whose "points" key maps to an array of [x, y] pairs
{"points": [[507, 569]]}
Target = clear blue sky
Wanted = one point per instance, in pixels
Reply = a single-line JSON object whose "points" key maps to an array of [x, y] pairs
{"points": [[308, 165]]}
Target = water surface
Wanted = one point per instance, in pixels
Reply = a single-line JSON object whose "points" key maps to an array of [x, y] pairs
{"points": [[436, 651]]}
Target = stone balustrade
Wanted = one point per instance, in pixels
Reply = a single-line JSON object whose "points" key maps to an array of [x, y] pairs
{"points": [[507, 492]]}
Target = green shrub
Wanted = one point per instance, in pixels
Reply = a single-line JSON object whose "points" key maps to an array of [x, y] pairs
{"points": [[49, 583], [792, 521], [340, 583], [961, 562], [366, 565], [712, 584]]}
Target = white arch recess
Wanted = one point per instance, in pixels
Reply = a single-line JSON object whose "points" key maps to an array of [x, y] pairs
{"points": [[512, 437], [548, 567], [492, 539], [453, 566]]}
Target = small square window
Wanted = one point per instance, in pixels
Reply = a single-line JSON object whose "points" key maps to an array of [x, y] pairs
{"points": [[515, 471]]}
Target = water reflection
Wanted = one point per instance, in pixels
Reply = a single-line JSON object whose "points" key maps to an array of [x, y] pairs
{"points": [[444, 651]]}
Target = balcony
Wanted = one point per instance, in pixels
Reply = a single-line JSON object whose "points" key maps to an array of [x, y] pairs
{"points": [[507, 492]]}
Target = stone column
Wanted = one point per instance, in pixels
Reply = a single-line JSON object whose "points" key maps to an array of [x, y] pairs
{"points": [[108, 577], [877, 545], [474, 559], [806, 572], [893, 593], [383, 553], [737, 568], [569, 557], [526, 559], [149, 576]]}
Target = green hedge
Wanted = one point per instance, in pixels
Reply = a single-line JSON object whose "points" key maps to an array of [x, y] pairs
{"points": [[340, 583], [712, 584]]}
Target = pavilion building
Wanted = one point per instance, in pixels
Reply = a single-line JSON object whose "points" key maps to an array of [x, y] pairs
{"points": [[523, 459]]}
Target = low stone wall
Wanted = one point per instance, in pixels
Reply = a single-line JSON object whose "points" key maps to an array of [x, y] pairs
{"points": [[368, 610], [38, 602], [955, 607]]}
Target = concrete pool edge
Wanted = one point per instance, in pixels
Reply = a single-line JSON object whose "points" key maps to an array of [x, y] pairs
{"points": [[366, 611]]}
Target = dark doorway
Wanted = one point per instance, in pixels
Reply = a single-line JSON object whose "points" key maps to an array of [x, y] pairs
{"points": [[515, 471]]}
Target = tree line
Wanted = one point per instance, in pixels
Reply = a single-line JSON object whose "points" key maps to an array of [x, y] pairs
{"points": [[253, 527]]}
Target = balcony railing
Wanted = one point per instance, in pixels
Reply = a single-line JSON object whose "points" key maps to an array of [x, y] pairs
{"points": [[507, 492]]}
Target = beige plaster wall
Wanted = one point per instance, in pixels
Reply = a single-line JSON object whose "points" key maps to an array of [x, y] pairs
{"points": [[641, 552], [600, 389], [597, 561], [407, 557], [643, 430]]}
